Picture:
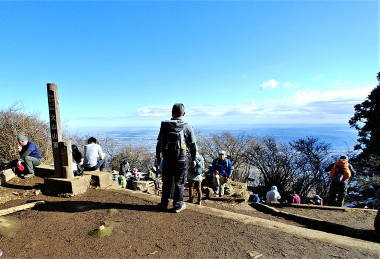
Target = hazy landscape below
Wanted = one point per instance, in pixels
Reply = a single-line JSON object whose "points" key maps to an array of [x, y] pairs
{"points": [[341, 137]]}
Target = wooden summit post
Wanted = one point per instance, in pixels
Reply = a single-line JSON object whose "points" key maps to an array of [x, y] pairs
{"points": [[61, 150]]}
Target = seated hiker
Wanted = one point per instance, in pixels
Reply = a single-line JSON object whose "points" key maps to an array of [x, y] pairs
{"points": [[195, 178], [273, 195], [316, 200], [124, 167], [93, 156], [222, 171], [29, 157], [295, 198], [136, 174], [77, 160], [340, 173]]}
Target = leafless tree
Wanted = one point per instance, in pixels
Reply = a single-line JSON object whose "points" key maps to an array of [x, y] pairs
{"points": [[313, 156], [275, 161], [13, 122], [138, 157]]}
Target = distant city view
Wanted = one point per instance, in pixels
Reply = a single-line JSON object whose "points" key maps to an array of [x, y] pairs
{"points": [[340, 137]]}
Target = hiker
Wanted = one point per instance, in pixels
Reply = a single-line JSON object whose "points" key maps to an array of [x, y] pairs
{"points": [[340, 173], [195, 178], [273, 195], [136, 175], [124, 167], [294, 197], [222, 171], [77, 160], [30, 157], [316, 200], [93, 156], [174, 139]]}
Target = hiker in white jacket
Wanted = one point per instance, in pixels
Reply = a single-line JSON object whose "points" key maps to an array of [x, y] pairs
{"points": [[273, 195]]}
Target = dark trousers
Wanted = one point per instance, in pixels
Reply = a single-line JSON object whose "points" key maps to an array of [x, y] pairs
{"points": [[173, 171], [337, 193], [100, 165]]}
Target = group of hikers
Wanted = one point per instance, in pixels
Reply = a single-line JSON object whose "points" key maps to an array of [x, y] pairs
{"points": [[30, 157], [179, 161], [339, 172]]}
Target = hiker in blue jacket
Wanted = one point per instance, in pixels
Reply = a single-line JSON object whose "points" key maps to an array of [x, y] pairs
{"points": [[222, 171], [30, 156]]}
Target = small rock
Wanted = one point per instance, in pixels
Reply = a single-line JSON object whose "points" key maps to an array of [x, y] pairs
{"points": [[15, 193], [112, 211], [254, 254], [37, 192]]}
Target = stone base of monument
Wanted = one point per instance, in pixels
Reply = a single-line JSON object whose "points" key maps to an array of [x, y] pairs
{"points": [[44, 170], [69, 187], [100, 178]]}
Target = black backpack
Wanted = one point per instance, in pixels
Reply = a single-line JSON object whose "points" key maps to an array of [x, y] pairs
{"points": [[173, 141]]}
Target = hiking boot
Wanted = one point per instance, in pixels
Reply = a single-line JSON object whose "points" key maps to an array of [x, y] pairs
{"points": [[190, 200], [27, 176], [180, 208], [199, 203]]}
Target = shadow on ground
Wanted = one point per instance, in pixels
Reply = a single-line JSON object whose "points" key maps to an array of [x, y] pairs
{"points": [[82, 206], [23, 187], [330, 227]]}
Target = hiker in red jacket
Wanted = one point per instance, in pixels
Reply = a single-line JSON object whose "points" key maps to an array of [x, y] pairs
{"points": [[340, 173]]}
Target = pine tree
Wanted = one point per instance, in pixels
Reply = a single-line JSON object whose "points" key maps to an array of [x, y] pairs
{"points": [[366, 121]]}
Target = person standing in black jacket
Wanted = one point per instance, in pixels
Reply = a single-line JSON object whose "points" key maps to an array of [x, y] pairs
{"points": [[176, 137]]}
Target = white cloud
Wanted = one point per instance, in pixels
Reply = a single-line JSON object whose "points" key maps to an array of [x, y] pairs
{"points": [[318, 77], [154, 111], [203, 110], [307, 106], [288, 85], [270, 84]]}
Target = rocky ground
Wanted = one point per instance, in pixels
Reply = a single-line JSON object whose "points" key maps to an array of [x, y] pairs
{"points": [[60, 228]]}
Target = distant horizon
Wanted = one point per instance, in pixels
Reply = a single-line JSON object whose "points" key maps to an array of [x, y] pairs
{"points": [[340, 137], [219, 126]]}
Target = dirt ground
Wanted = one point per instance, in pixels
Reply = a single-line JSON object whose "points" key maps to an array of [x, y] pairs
{"points": [[359, 219], [60, 227]]}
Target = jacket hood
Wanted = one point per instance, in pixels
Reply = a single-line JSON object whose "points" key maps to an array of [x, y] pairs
{"points": [[273, 188], [174, 125]]}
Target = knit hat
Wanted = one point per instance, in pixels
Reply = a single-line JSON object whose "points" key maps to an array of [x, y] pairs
{"points": [[343, 157], [22, 138]]}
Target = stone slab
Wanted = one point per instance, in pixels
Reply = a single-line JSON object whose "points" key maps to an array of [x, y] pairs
{"points": [[6, 175], [100, 179], [72, 186], [142, 185]]}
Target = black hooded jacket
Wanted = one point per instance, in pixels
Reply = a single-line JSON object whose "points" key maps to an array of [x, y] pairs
{"points": [[177, 125]]}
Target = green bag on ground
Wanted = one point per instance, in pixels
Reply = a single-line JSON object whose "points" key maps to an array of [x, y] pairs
{"points": [[122, 181]]}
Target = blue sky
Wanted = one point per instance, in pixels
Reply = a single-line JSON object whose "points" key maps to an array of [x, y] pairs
{"points": [[124, 63]]}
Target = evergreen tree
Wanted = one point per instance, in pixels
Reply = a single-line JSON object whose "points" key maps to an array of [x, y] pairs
{"points": [[366, 121]]}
